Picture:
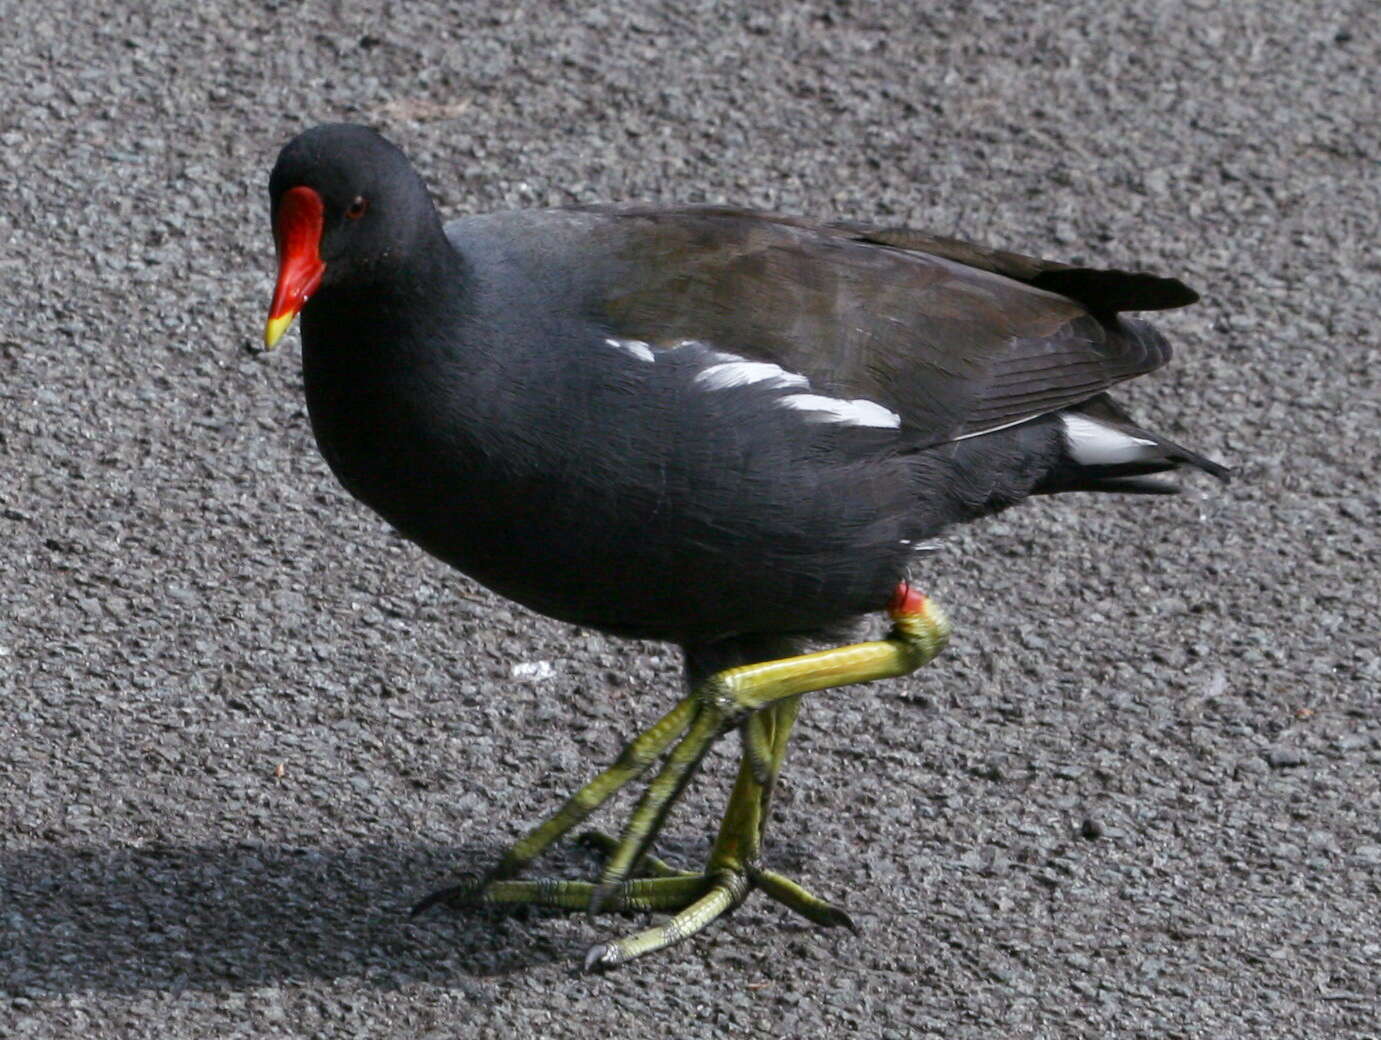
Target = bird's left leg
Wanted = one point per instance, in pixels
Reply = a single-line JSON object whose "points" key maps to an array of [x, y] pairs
{"points": [[764, 754]]}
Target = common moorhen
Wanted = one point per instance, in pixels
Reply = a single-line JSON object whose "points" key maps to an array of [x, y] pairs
{"points": [[729, 430]]}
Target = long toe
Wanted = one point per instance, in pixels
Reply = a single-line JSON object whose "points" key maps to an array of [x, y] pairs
{"points": [[794, 897], [727, 890]]}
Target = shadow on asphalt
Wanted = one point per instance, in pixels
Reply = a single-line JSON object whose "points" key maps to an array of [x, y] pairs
{"points": [[171, 918]]}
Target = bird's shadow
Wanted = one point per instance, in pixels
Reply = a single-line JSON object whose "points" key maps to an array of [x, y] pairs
{"points": [[172, 917]]}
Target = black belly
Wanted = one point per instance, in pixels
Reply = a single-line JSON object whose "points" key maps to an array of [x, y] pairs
{"points": [[765, 549]]}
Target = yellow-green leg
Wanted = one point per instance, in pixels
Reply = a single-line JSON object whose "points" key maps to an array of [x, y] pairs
{"points": [[637, 756], [732, 870], [919, 632], [763, 701]]}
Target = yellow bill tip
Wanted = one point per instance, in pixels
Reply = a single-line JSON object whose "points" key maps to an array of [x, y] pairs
{"points": [[276, 327]]}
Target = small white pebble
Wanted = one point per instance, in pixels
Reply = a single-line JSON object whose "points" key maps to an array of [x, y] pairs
{"points": [[532, 671]]}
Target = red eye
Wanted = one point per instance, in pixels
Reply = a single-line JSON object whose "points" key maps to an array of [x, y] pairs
{"points": [[357, 208]]}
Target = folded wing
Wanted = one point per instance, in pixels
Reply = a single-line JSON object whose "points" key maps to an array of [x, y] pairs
{"points": [[956, 339]]}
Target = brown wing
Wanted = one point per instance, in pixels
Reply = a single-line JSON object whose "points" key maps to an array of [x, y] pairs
{"points": [[954, 338]]}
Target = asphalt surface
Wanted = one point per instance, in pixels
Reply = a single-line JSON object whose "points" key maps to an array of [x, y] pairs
{"points": [[243, 725]]}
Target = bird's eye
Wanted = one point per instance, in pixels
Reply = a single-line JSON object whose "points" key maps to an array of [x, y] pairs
{"points": [[357, 208]]}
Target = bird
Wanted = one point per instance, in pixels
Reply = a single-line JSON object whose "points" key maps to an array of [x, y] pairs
{"points": [[728, 430]]}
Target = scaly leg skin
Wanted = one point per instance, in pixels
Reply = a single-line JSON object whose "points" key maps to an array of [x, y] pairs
{"points": [[732, 871], [919, 632], [637, 756], [761, 699]]}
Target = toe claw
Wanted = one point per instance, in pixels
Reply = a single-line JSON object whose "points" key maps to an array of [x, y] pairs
{"points": [[453, 896], [840, 919], [600, 956], [426, 903]]}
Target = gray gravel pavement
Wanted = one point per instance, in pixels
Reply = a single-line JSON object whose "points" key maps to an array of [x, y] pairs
{"points": [[243, 725]]}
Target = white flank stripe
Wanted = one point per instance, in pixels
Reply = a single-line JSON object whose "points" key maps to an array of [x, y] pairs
{"points": [[994, 429], [708, 354], [741, 373], [636, 347], [852, 413], [1093, 444]]}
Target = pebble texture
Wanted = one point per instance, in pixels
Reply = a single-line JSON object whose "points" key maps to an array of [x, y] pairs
{"points": [[243, 726]]}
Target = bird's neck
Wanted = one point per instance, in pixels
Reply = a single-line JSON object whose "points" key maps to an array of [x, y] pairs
{"points": [[395, 313], [387, 366]]}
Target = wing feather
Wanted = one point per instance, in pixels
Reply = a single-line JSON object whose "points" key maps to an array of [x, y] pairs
{"points": [[955, 338]]}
